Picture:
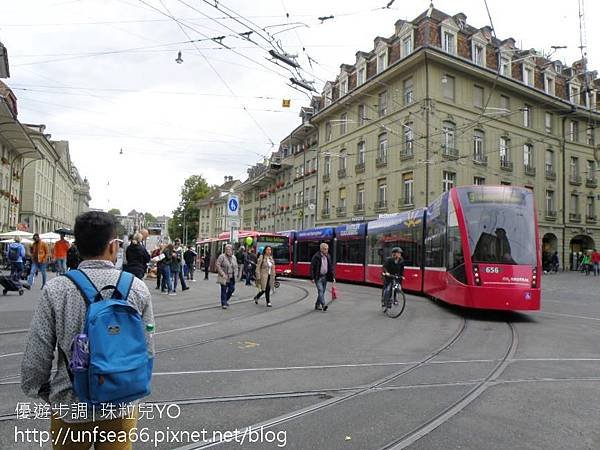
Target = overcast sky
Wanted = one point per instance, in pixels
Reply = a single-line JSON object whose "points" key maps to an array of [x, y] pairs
{"points": [[102, 75]]}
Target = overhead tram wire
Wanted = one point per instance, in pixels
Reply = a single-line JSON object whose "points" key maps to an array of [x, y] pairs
{"points": [[218, 74], [224, 46]]}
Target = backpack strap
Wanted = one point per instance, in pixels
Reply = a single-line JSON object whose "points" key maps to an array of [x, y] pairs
{"points": [[84, 284], [123, 287]]}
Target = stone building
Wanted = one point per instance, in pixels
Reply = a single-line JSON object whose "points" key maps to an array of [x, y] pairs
{"points": [[212, 210], [440, 103]]}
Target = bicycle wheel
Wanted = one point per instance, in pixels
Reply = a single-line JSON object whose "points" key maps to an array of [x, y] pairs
{"points": [[396, 304]]}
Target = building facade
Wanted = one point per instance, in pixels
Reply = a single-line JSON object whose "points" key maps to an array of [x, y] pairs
{"points": [[51, 196], [440, 104], [212, 210], [15, 147], [281, 193]]}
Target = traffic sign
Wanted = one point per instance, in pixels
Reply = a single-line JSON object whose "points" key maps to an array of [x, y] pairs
{"points": [[233, 205], [234, 223]]}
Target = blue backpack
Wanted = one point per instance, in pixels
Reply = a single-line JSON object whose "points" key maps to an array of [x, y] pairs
{"points": [[119, 368]]}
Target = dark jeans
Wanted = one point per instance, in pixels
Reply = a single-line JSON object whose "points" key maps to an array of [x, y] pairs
{"points": [[182, 279], [321, 289], [158, 277], [227, 291], [267, 291], [166, 278], [16, 270]]}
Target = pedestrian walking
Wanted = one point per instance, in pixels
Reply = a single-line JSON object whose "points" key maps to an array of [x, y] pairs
{"points": [[58, 323], [178, 250], [596, 262], [227, 269], [554, 262], [265, 275], [240, 256], [189, 256], [250, 270], [321, 271], [586, 262], [206, 264], [16, 257], [167, 277], [61, 249], [137, 257], [39, 260]]}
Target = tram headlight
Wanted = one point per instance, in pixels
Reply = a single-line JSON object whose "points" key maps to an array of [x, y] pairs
{"points": [[534, 280], [476, 275]]}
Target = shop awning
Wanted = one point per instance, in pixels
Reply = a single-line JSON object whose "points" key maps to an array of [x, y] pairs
{"points": [[15, 134]]}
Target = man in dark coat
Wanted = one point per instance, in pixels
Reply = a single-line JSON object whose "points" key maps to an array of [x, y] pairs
{"points": [[322, 271]]}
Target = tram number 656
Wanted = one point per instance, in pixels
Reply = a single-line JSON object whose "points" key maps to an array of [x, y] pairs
{"points": [[492, 270]]}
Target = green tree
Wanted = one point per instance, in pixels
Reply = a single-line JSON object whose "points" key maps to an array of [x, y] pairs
{"points": [[185, 216], [149, 218], [115, 211]]}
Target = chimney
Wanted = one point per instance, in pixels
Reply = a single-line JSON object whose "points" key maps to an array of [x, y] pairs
{"points": [[226, 177]]}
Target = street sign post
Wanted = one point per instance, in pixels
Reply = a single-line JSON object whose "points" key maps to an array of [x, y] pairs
{"points": [[233, 205]]}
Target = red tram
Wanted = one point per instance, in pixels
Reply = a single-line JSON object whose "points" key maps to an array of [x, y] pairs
{"points": [[475, 246], [279, 243]]}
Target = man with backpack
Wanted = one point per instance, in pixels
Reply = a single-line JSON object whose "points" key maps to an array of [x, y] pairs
{"points": [[95, 317], [16, 258]]}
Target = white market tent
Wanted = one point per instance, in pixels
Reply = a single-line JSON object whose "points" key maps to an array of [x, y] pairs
{"points": [[50, 237], [16, 233], [10, 241]]}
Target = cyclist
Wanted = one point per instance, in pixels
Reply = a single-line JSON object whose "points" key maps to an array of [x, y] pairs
{"points": [[393, 266]]}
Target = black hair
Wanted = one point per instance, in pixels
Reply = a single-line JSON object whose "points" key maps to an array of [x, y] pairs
{"points": [[93, 231]]}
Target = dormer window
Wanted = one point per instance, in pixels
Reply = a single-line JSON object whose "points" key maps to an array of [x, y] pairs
{"points": [[527, 75], [327, 97], [548, 84], [449, 42], [360, 75], [343, 86], [505, 68], [574, 94], [381, 61], [407, 46], [478, 54]]}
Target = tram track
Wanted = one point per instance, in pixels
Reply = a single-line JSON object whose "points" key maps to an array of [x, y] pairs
{"points": [[460, 404], [350, 395], [217, 338]]}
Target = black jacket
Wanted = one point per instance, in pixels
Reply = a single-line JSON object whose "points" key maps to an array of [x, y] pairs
{"points": [[137, 259], [189, 256], [393, 268], [315, 267]]}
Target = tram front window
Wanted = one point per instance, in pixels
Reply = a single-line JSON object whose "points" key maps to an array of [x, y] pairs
{"points": [[500, 224], [279, 246]]}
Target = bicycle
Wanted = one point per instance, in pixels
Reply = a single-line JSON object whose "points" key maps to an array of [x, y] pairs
{"points": [[393, 306]]}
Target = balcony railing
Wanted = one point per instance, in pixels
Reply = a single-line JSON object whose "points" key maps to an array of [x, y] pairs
{"points": [[550, 174], [575, 217], [406, 202], [407, 153], [341, 211], [359, 168], [359, 207], [326, 177], [591, 182], [325, 212], [481, 160], [506, 164], [380, 205], [529, 170], [341, 173], [575, 179], [449, 152], [590, 219], [551, 214], [381, 161]]}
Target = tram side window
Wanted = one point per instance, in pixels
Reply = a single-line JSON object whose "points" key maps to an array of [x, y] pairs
{"points": [[455, 256], [381, 246], [436, 237], [306, 250], [350, 251]]}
